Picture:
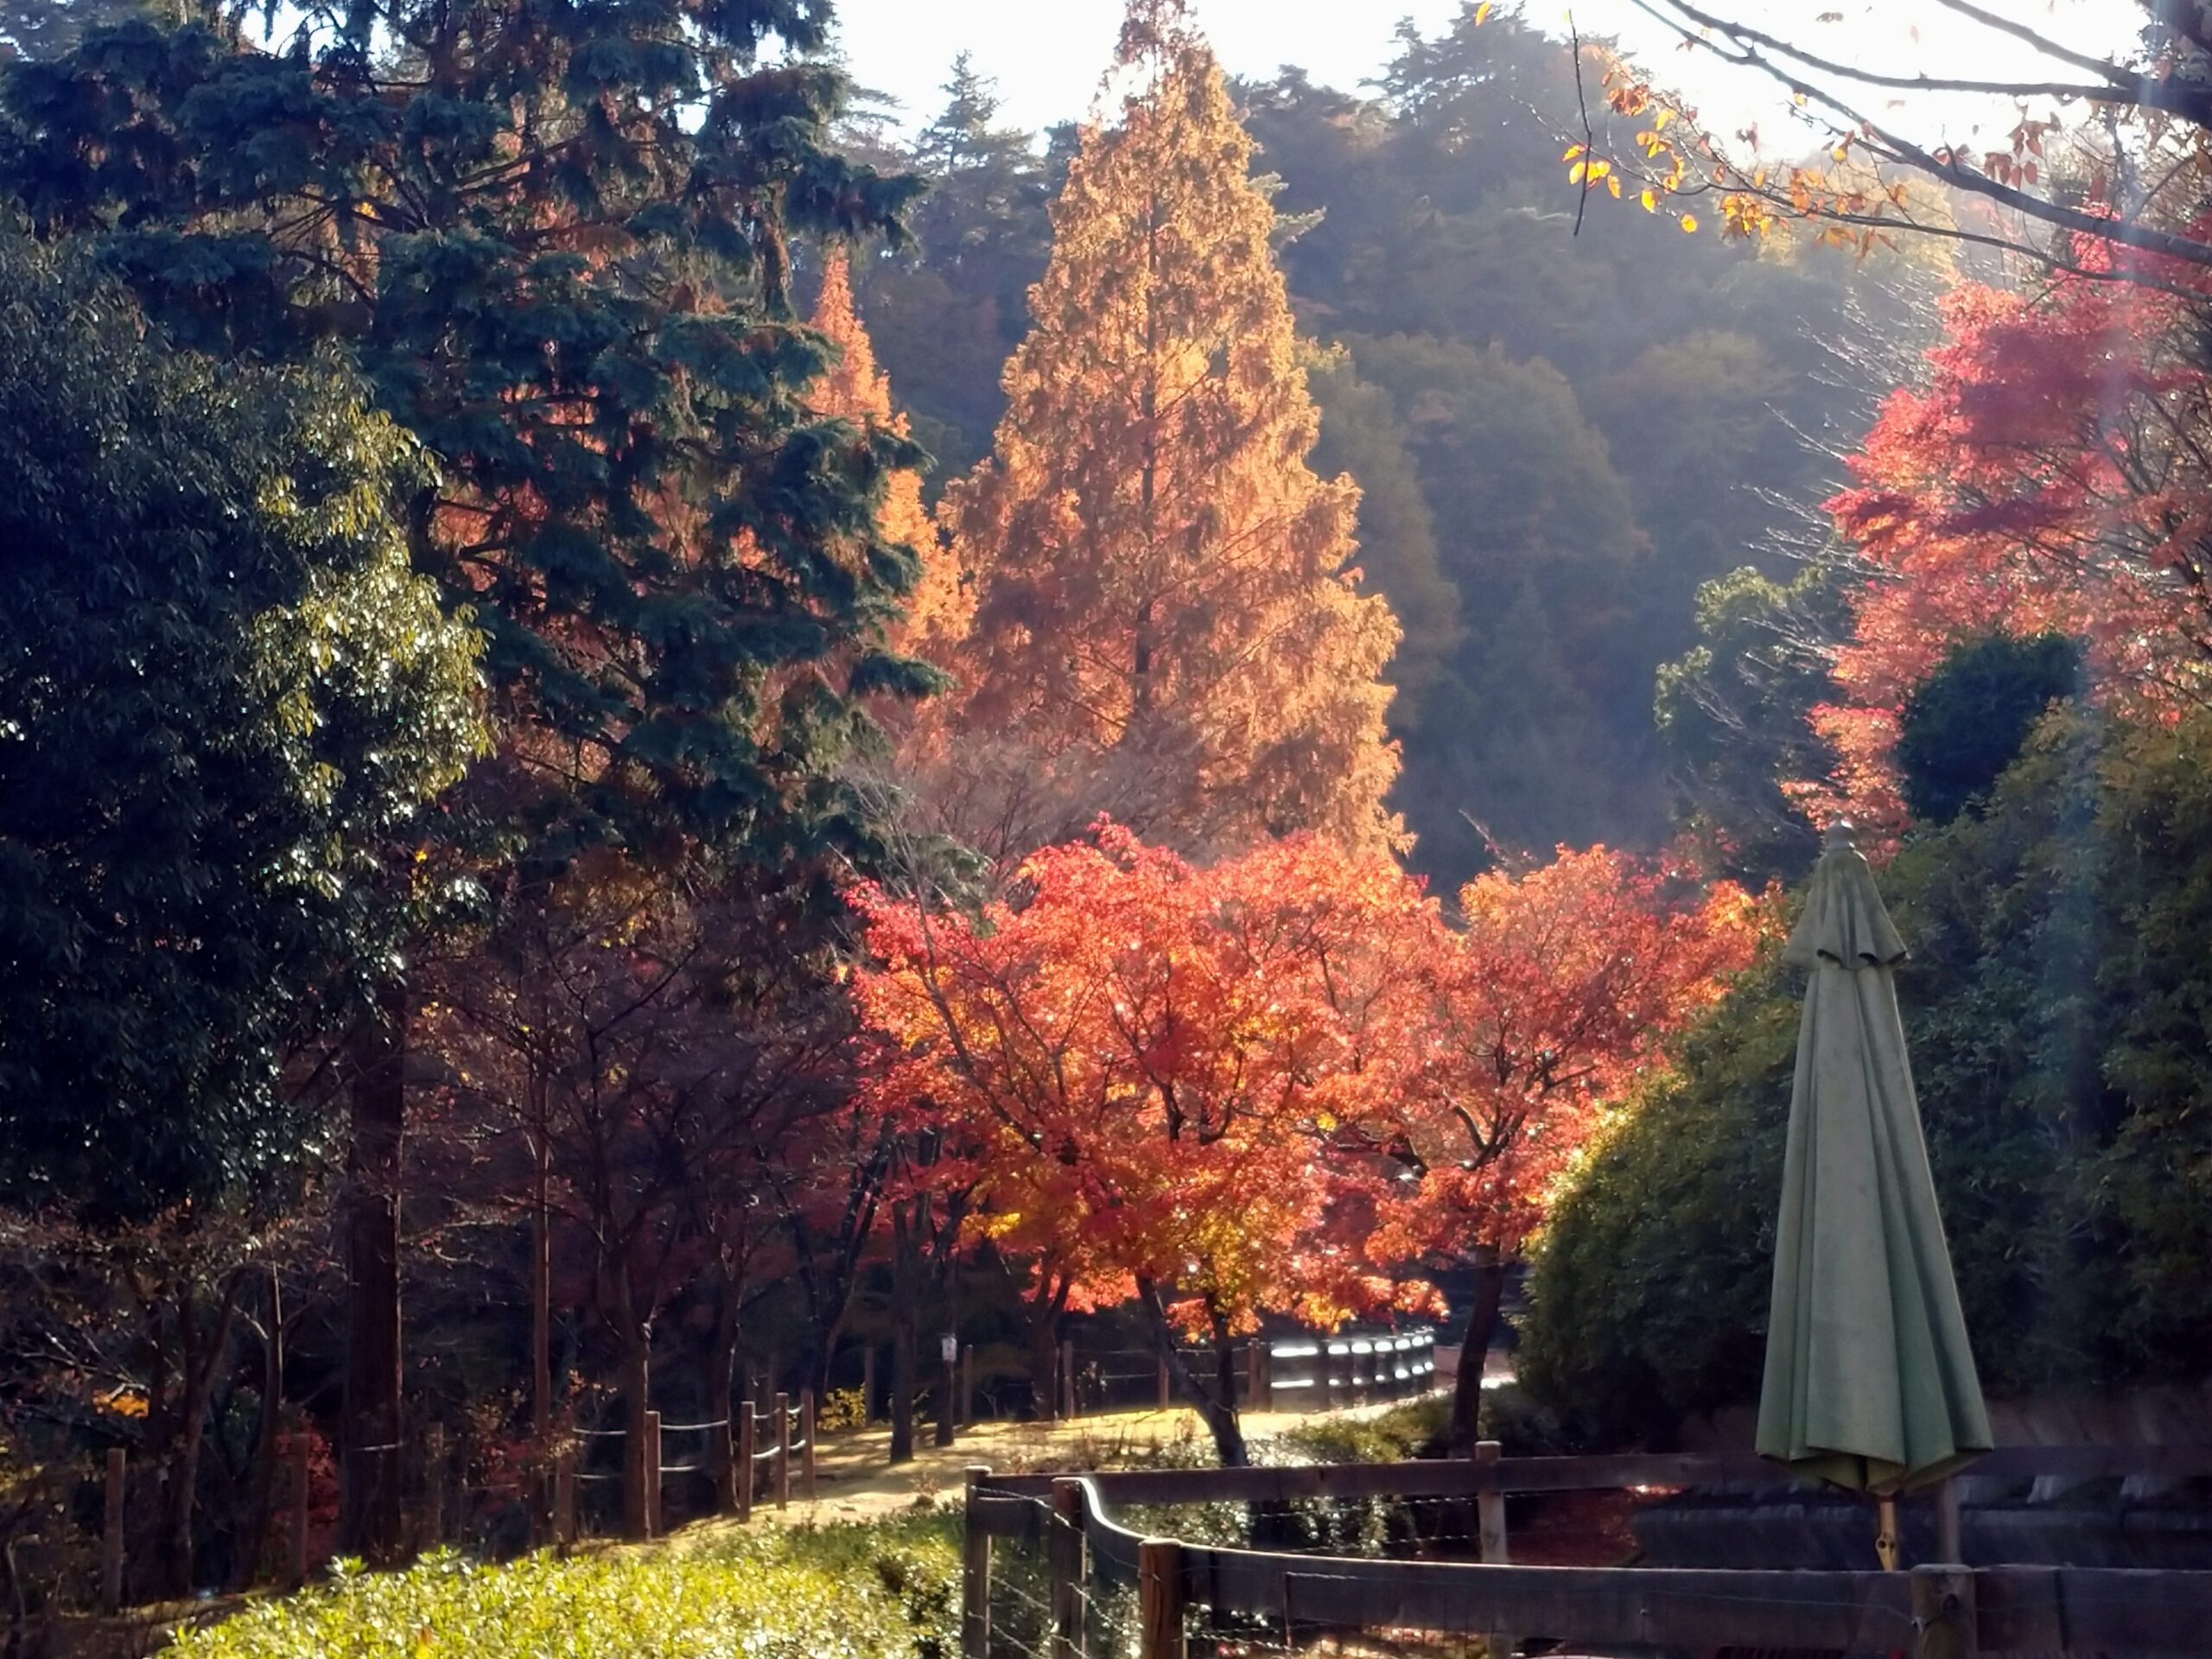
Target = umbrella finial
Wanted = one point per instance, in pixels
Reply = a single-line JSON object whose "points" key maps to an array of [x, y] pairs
{"points": [[1839, 835]]}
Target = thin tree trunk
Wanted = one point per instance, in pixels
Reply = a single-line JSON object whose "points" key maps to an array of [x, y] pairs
{"points": [[541, 1308], [1482, 1325], [369, 1507], [636, 1337], [948, 1288], [905, 1296], [1219, 1412], [1045, 1309], [268, 1440], [720, 1392], [202, 1354]]}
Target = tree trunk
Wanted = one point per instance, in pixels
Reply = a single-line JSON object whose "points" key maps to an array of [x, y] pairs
{"points": [[636, 1337], [720, 1391], [541, 1315], [202, 1354], [369, 1501], [1482, 1325], [905, 1295], [1044, 1309], [948, 1285], [1044, 1365], [1217, 1413], [268, 1441]]}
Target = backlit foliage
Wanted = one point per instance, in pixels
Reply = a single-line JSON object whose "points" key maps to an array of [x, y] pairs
{"points": [[2048, 478], [1167, 618]]}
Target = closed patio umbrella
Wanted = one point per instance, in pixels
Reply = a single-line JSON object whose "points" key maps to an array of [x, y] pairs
{"points": [[1869, 1381]]}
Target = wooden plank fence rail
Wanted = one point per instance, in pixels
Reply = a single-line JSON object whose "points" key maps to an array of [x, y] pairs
{"points": [[1933, 1611], [1459, 1478]]}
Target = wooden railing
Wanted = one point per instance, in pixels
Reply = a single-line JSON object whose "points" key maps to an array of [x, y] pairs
{"points": [[1943, 1610]]}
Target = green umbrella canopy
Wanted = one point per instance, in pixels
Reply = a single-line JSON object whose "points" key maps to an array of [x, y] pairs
{"points": [[1869, 1381]]}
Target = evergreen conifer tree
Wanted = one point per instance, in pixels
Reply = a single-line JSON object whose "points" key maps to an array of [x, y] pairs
{"points": [[554, 239]]}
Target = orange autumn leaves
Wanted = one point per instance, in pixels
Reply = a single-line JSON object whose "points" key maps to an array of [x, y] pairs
{"points": [[1265, 1086], [1210, 1043]]}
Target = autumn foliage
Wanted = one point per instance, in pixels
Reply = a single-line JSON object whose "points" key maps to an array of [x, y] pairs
{"points": [[2045, 479], [1140, 1053], [1169, 623], [940, 607], [1266, 1085]]}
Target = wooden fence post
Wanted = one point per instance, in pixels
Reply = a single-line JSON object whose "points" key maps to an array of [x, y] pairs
{"points": [[564, 1499], [1253, 1368], [974, 1574], [1943, 1612], [747, 1432], [112, 1533], [722, 1450], [1066, 1538], [652, 1474], [1950, 1547], [948, 1407], [1067, 1380], [1489, 1527], [783, 1450], [298, 1575], [1159, 1599], [806, 1421], [1321, 1372]]}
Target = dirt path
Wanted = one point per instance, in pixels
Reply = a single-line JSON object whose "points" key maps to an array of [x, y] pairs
{"points": [[855, 1480]]}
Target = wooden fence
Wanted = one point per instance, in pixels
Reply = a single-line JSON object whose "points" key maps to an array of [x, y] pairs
{"points": [[1942, 1610]]}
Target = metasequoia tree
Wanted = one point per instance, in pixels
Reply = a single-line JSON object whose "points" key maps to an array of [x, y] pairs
{"points": [[2049, 476], [556, 242], [1168, 621], [939, 607], [1562, 985], [1137, 1068]]}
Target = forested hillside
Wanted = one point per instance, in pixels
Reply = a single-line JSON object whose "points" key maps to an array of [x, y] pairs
{"points": [[1559, 434]]}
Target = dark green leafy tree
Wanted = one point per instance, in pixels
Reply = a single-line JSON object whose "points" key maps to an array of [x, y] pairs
{"points": [[1965, 723], [556, 240], [224, 699], [2055, 1007], [48, 29], [947, 312], [1732, 713]]}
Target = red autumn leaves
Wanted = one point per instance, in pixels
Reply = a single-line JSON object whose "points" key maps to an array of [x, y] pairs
{"points": [[1268, 1085]]}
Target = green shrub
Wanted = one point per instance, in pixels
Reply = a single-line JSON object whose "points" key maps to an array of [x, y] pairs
{"points": [[1416, 1430], [2058, 1006], [881, 1591], [1966, 723]]}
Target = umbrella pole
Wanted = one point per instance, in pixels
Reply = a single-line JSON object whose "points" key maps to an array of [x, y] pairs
{"points": [[1886, 1534]]}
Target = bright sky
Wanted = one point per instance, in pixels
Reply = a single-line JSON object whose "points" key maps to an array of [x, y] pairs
{"points": [[1047, 55]]}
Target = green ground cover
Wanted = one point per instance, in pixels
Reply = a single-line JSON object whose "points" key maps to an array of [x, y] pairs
{"points": [[888, 1590]]}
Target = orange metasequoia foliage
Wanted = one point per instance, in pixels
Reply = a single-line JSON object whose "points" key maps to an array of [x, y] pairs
{"points": [[2050, 477], [939, 609], [1169, 623]]}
